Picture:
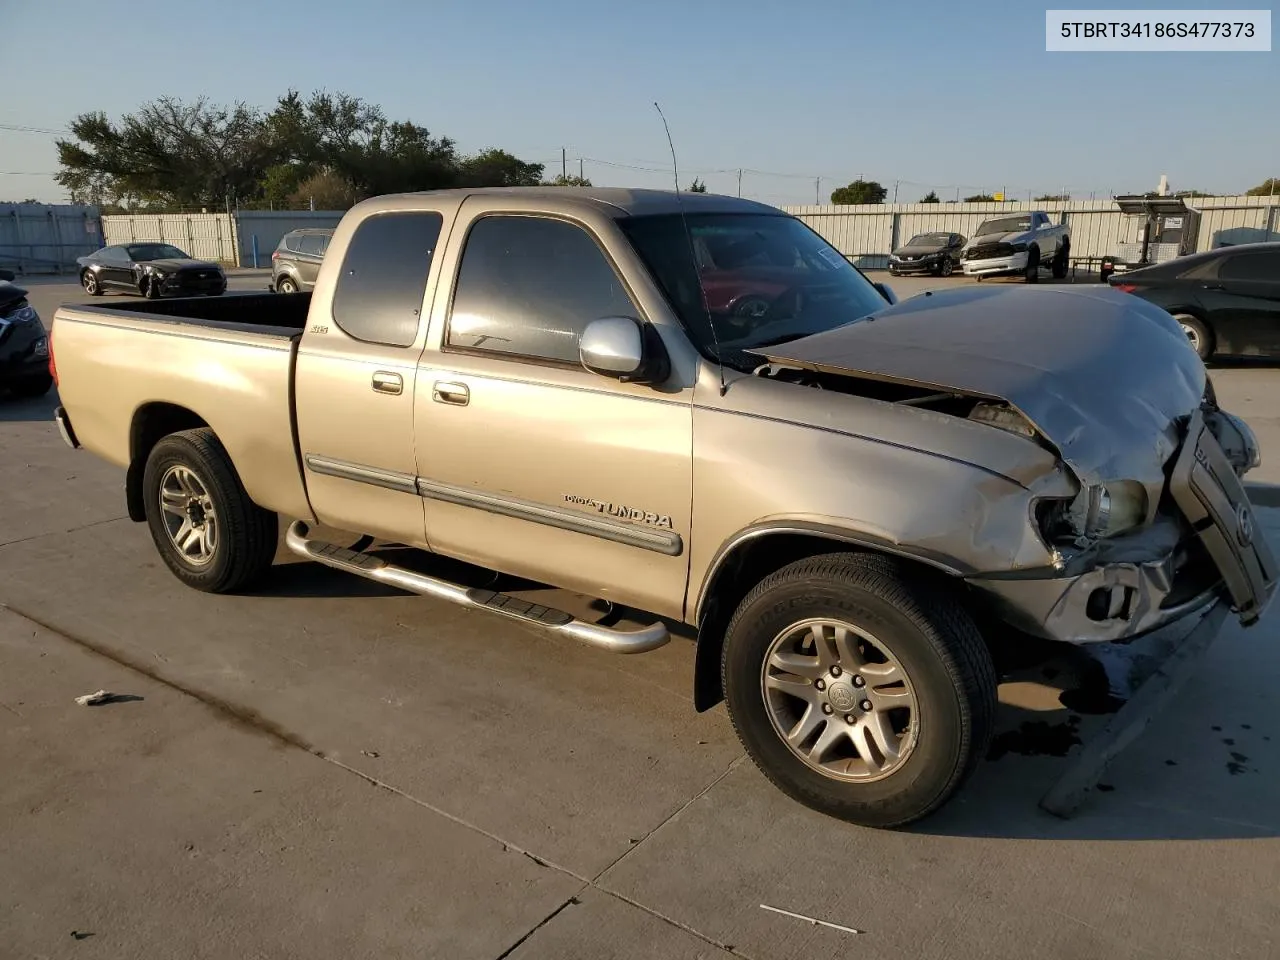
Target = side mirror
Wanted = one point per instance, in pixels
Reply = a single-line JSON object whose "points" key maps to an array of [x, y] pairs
{"points": [[624, 349], [886, 291]]}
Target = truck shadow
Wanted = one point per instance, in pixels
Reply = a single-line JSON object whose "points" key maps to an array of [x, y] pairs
{"points": [[15, 410]]}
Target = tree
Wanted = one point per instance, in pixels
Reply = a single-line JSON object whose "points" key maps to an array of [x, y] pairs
{"points": [[562, 181], [1054, 197], [979, 198], [497, 168], [697, 186], [322, 191], [859, 191], [930, 197], [1267, 188]]}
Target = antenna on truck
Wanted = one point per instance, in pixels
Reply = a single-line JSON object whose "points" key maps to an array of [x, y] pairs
{"points": [[693, 255]]}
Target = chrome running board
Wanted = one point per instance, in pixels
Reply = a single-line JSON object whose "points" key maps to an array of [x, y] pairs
{"points": [[556, 621]]}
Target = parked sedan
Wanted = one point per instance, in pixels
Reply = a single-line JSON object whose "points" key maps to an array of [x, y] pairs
{"points": [[24, 345], [936, 253], [150, 269], [1227, 301]]}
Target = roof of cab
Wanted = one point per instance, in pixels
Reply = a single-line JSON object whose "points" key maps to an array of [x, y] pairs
{"points": [[615, 201]]}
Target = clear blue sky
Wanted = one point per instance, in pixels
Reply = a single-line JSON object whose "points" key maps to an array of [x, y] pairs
{"points": [[939, 94]]}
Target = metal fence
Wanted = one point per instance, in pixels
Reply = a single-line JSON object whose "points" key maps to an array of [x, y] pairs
{"points": [[259, 231], [205, 236], [867, 233], [47, 237]]}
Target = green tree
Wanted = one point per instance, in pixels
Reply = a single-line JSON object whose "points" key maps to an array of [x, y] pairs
{"points": [[697, 186], [859, 191], [930, 197], [979, 198], [562, 181], [1269, 187], [1054, 197], [497, 168]]}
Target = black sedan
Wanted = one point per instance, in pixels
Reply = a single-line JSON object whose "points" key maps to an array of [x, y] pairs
{"points": [[1226, 300], [936, 253], [150, 269], [24, 345]]}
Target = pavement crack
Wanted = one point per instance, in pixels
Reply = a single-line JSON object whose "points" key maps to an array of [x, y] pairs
{"points": [[54, 533], [572, 901]]}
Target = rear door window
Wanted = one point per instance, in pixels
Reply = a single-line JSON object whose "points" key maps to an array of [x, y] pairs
{"points": [[378, 297], [311, 244], [1251, 266]]}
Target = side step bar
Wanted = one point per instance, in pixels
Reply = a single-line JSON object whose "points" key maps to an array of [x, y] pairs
{"points": [[557, 621]]}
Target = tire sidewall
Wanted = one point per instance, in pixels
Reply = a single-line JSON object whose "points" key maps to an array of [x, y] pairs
{"points": [[92, 286], [931, 769], [177, 451], [286, 285], [1205, 349]]}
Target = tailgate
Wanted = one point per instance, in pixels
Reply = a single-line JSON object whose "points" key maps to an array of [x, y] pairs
{"points": [[1212, 497]]}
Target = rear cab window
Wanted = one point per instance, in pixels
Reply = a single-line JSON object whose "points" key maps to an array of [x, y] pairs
{"points": [[378, 295]]}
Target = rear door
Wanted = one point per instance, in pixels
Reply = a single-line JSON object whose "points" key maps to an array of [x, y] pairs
{"points": [[529, 463], [356, 371], [310, 249]]}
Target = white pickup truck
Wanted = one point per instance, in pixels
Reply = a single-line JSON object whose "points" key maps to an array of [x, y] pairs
{"points": [[1020, 243]]}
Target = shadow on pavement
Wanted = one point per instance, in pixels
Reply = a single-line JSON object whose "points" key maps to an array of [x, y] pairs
{"points": [[14, 410]]}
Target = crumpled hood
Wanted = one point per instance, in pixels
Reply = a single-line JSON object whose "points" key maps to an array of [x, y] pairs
{"points": [[1018, 236], [1103, 375], [177, 264]]}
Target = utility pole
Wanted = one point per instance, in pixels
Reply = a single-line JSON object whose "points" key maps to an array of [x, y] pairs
{"points": [[580, 176], [957, 194], [739, 181], [817, 190], [564, 165], [895, 191]]}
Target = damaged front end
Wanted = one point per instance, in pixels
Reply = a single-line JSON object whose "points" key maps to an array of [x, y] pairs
{"points": [[1158, 524]]}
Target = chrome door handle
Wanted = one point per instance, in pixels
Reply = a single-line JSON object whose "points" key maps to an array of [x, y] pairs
{"points": [[391, 383], [455, 393]]}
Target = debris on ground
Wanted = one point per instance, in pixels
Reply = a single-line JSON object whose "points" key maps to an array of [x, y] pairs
{"points": [[370, 753], [94, 699], [813, 920]]}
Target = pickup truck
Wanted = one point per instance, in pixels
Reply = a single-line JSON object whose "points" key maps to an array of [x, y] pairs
{"points": [[843, 497], [1020, 243]]}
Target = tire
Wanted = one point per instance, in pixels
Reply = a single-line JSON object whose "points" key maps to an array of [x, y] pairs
{"points": [[286, 284], [1198, 334], [1032, 272], [89, 280], [947, 268], [950, 686], [243, 534], [1061, 261], [31, 387], [150, 288]]}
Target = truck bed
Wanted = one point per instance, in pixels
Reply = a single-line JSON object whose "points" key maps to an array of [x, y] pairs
{"points": [[270, 313]]}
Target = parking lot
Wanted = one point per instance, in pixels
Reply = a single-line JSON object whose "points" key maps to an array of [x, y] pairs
{"points": [[327, 768]]}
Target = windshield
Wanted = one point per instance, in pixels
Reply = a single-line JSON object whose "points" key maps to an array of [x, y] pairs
{"points": [[765, 278], [140, 252], [929, 239], [1007, 225]]}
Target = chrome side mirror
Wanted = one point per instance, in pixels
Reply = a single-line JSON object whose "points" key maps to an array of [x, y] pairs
{"points": [[886, 291], [624, 349]]}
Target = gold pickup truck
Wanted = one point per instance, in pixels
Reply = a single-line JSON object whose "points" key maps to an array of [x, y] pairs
{"points": [[694, 410]]}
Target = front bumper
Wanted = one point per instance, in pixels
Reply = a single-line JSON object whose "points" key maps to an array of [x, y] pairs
{"points": [[914, 266], [184, 285], [24, 350], [1228, 559], [1014, 263]]}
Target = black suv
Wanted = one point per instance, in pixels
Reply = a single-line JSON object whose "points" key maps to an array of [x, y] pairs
{"points": [[296, 261]]}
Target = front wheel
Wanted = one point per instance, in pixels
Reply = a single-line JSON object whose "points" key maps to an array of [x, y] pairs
{"points": [[857, 690], [948, 267], [1032, 272], [207, 530], [150, 288]]}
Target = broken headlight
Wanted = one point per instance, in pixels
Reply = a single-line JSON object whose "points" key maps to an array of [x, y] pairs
{"points": [[1098, 511]]}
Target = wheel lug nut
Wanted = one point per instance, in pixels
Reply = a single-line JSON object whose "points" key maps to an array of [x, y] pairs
{"points": [[826, 708], [859, 682], [850, 719], [835, 671], [866, 705], [820, 684]]}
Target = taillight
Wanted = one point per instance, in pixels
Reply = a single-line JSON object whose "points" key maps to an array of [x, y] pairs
{"points": [[53, 367], [1125, 287]]}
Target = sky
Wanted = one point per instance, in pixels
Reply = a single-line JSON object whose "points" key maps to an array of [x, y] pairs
{"points": [[960, 97]]}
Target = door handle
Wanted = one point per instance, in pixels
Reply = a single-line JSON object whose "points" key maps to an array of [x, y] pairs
{"points": [[1213, 286], [455, 393], [384, 382]]}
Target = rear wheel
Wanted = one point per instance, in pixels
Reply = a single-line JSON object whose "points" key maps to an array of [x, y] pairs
{"points": [[207, 530], [1061, 261], [1198, 334], [286, 285], [857, 690]]}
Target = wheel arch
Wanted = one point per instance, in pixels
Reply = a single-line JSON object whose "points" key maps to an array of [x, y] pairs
{"points": [[151, 423], [750, 556]]}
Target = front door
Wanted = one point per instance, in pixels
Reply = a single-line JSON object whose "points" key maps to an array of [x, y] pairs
{"points": [[527, 462], [355, 378]]}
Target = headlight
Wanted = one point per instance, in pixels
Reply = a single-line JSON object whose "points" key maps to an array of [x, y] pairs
{"points": [[1006, 418], [1099, 510], [1018, 247]]}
